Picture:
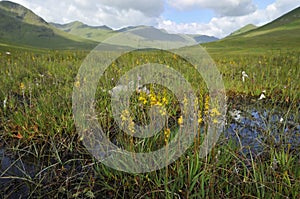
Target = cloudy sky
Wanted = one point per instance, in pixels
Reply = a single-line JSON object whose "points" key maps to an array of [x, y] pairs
{"points": [[211, 17]]}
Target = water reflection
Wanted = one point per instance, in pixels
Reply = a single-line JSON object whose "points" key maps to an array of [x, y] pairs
{"points": [[255, 129]]}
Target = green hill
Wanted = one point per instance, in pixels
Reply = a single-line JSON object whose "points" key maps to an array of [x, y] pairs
{"points": [[21, 27], [243, 29], [146, 35], [282, 33], [95, 33], [202, 38]]}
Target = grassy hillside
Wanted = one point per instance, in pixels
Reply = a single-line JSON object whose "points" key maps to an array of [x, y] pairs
{"points": [[20, 26], [203, 38], [144, 34], [243, 29], [95, 33], [280, 34]]}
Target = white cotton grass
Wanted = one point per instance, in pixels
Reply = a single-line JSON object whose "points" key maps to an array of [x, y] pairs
{"points": [[244, 76], [131, 86], [122, 88], [4, 103], [262, 95], [7, 53], [235, 114], [281, 120]]}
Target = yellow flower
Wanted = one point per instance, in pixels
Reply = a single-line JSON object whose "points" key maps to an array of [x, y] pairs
{"points": [[125, 114], [180, 120], [143, 99], [127, 121], [163, 111], [215, 112], [22, 86], [164, 100], [153, 100], [167, 135], [200, 120], [77, 84], [215, 121]]}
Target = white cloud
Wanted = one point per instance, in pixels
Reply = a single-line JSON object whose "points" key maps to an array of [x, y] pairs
{"points": [[224, 25], [151, 8], [113, 13], [221, 7]]}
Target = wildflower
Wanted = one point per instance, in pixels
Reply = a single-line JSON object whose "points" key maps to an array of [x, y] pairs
{"points": [[244, 75], [19, 136], [143, 99], [7, 53], [180, 120], [127, 120], [235, 114], [262, 95], [215, 112], [206, 105], [164, 100], [77, 84], [22, 86], [281, 120], [167, 134], [125, 114], [4, 102], [185, 101], [215, 121], [200, 120], [163, 111], [153, 99]]}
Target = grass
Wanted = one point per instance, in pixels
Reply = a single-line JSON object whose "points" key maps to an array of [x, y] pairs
{"points": [[37, 126]]}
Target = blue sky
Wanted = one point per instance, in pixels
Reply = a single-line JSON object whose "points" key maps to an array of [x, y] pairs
{"points": [[210, 17]]}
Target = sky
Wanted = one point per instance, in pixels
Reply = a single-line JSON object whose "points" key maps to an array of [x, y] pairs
{"points": [[216, 18]]}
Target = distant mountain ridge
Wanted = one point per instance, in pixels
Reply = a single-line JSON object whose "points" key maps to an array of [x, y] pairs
{"points": [[95, 33], [99, 33], [20, 26]]}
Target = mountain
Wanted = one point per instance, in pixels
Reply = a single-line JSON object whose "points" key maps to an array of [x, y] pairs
{"points": [[95, 33], [282, 33], [146, 35], [149, 37], [203, 38], [100, 33], [20, 26], [243, 29]]}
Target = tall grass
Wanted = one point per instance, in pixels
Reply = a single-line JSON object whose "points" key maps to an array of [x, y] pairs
{"points": [[37, 123]]}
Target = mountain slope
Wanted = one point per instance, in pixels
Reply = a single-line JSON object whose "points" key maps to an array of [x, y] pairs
{"points": [[282, 33], [203, 38], [243, 29], [100, 33], [95, 33], [20, 26]]}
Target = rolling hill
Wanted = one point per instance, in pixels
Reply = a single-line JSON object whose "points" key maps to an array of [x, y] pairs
{"points": [[21, 27], [100, 33], [95, 33], [282, 33], [243, 29]]}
